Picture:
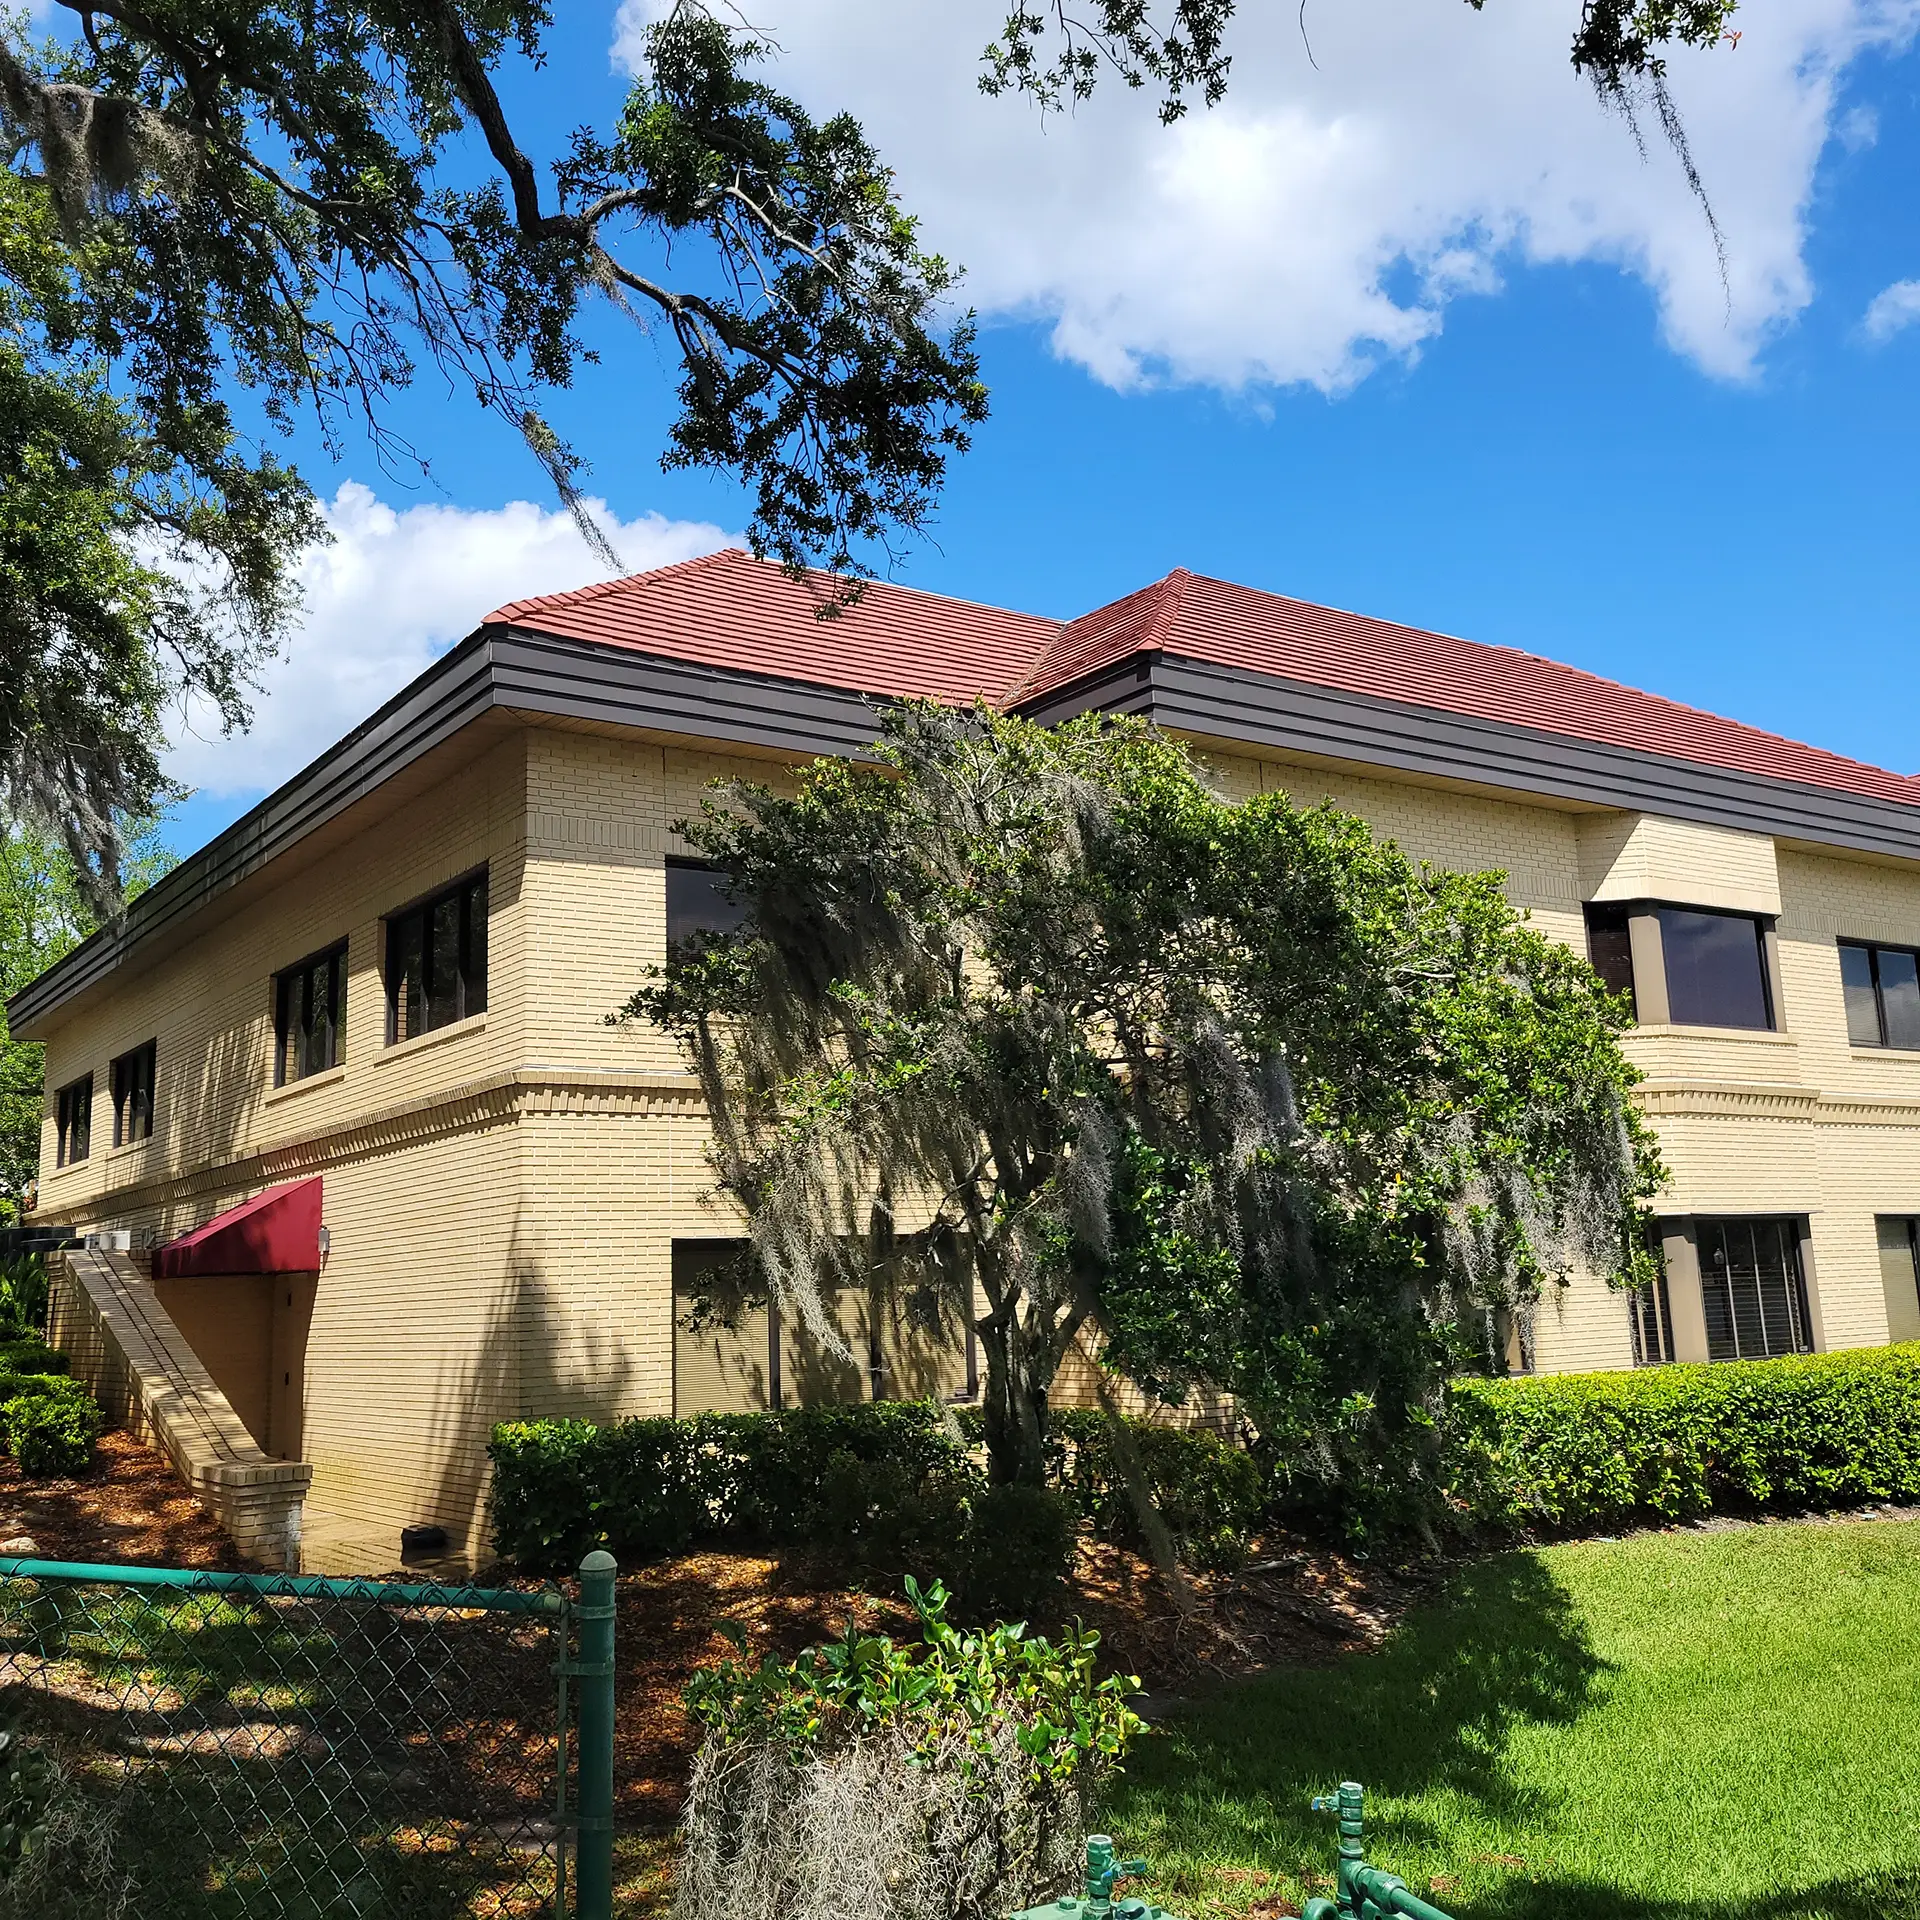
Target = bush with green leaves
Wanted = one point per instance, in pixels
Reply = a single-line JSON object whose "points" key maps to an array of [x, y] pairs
{"points": [[1210, 1494], [1564, 1452], [23, 1293], [32, 1355], [956, 1776], [50, 1426]]}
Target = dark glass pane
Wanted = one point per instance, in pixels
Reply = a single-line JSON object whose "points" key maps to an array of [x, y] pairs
{"points": [[476, 976], [1610, 947], [317, 1018], [1752, 1289], [1715, 975], [404, 959], [1899, 997], [697, 903], [443, 962], [1856, 984], [1716, 1293]]}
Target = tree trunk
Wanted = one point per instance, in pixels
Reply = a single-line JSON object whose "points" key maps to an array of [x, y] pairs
{"points": [[1013, 1403]]}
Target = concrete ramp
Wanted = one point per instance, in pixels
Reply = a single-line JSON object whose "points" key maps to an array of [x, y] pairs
{"points": [[124, 1348]]}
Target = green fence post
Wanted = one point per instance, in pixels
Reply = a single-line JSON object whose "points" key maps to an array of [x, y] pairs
{"points": [[593, 1861]]}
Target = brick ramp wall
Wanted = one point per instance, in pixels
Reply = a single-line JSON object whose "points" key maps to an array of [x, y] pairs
{"points": [[108, 1320]]}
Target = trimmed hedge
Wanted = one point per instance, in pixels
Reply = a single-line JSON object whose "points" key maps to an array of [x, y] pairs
{"points": [[885, 1482], [30, 1356], [1567, 1452], [50, 1424]]}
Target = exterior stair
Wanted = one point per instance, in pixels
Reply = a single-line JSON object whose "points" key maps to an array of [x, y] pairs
{"points": [[107, 1318]]}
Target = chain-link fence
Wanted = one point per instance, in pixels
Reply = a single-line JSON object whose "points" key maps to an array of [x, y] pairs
{"points": [[233, 1744]]}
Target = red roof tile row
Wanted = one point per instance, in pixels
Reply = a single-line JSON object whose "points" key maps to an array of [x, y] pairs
{"points": [[732, 611]]}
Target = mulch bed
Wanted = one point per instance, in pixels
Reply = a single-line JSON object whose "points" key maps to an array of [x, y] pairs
{"points": [[1294, 1605], [128, 1507]]}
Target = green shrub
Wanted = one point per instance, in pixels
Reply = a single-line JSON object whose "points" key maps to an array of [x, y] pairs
{"points": [[880, 1482], [1571, 1451], [51, 1426], [1009, 1557], [32, 1356], [1210, 1493], [954, 1777], [23, 1295]]}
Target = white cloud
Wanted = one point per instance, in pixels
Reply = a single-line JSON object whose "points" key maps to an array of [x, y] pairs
{"points": [[1892, 310], [1322, 221], [394, 591]]}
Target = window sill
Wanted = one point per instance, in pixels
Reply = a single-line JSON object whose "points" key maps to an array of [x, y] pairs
{"points": [[1885, 1053], [473, 1023], [127, 1147], [327, 1077], [1743, 1036]]}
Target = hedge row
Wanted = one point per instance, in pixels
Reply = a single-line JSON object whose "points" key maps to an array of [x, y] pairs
{"points": [[900, 1482], [48, 1422], [887, 1481], [1576, 1451]]}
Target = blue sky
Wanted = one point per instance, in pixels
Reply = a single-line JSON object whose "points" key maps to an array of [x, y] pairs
{"points": [[1432, 343]]}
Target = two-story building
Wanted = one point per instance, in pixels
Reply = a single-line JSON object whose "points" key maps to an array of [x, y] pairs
{"points": [[370, 1171]]}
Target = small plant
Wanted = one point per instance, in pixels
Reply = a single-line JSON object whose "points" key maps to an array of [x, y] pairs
{"points": [[957, 1776], [51, 1429], [56, 1846]]}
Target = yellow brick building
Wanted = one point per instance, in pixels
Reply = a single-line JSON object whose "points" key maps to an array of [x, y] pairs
{"points": [[394, 975]]}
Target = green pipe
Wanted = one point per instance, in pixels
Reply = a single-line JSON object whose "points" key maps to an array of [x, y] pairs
{"points": [[293, 1586], [593, 1863]]}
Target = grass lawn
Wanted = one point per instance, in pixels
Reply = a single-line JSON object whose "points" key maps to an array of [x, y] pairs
{"points": [[1686, 1726]]}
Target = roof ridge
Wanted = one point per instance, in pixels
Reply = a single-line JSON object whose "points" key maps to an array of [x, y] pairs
{"points": [[1168, 602]]}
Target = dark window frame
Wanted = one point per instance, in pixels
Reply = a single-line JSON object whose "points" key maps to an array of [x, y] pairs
{"points": [[1610, 946], [73, 1118], [728, 918], [1873, 949], [1741, 1325], [408, 944], [1650, 1314], [1758, 923], [133, 1080], [298, 978]]}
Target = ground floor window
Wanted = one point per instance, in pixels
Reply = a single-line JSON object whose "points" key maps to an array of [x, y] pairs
{"points": [[1752, 1288], [1899, 1236], [1651, 1313]]}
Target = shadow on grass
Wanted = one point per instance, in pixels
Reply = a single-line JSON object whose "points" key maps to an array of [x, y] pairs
{"points": [[1433, 1709], [1875, 1896]]}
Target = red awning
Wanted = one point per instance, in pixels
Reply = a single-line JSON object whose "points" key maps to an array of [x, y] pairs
{"points": [[275, 1232]]}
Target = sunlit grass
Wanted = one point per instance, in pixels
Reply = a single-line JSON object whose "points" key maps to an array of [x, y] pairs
{"points": [[1665, 1727]]}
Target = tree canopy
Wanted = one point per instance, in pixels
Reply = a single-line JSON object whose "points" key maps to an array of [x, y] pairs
{"points": [[1235, 1090], [45, 911], [305, 205]]}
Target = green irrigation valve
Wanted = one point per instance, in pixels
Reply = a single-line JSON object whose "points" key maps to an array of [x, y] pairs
{"points": [[1098, 1903], [1364, 1892]]}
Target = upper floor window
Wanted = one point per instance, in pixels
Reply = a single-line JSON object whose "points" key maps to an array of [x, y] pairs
{"points": [[437, 960], [1716, 969], [310, 1016], [1882, 989], [73, 1121], [1710, 968], [1610, 947], [697, 903], [133, 1094]]}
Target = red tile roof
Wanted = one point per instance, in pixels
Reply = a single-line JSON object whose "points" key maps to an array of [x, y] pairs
{"points": [[729, 610]]}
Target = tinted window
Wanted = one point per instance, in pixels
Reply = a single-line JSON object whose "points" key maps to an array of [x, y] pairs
{"points": [[1610, 947], [310, 1011], [1716, 969], [1882, 989], [133, 1075], [697, 903], [437, 961], [73, 1121], [1863, 1003], [1752, 1289]]}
